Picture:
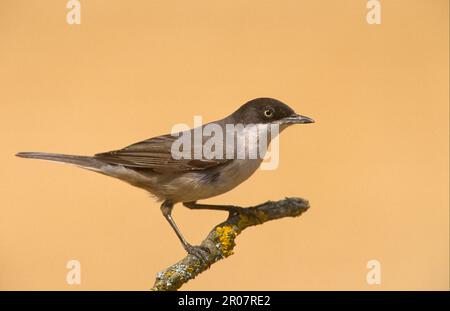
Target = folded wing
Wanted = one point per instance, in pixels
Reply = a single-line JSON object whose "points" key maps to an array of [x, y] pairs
{"points": [[155, 154]]}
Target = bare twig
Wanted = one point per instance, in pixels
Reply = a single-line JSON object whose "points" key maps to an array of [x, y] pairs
{"points": [[220, 241]]}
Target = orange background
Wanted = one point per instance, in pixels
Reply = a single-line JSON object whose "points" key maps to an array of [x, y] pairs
{"points": [[374, 166]]}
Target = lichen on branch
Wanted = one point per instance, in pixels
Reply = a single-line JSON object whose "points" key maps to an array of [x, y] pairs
{"points": [[220, 242]]}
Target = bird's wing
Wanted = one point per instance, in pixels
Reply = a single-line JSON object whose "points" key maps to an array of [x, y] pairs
{"points": [[155, 154]]}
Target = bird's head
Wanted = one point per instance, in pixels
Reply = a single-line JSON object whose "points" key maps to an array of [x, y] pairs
{"points": [[266, 110]]}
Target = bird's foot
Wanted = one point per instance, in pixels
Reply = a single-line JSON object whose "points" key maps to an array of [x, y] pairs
{"points": [[200, 252]]}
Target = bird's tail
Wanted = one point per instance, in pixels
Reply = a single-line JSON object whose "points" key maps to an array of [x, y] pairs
{"points": [[86, 162]]}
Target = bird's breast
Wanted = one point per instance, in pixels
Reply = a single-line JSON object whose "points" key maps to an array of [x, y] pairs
{"points": [[195, 186]]}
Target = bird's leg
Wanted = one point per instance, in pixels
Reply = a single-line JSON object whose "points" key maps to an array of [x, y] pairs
{"points": [[200, 252], [232, 209]]}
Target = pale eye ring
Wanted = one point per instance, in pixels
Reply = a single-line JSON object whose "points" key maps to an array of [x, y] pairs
{"points": [[268, 113]]}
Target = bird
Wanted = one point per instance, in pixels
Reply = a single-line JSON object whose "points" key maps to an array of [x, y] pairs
{"points": [[157, 167]]}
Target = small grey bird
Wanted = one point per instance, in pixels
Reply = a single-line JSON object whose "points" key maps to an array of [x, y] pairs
{"points": [[151, 164]]}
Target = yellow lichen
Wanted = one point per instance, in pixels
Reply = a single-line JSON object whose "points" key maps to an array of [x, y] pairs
{"points": [[190, 269], [244, 221], [168, 273], [251, 220], [262, 216], [226, 235]]}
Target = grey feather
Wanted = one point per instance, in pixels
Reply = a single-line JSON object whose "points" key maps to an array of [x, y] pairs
{"points": [[81, 161]]}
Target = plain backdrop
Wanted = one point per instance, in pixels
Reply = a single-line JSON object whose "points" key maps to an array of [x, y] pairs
{"points": [[374, 165]]}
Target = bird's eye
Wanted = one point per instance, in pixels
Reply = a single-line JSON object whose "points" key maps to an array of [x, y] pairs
{"points": [[268, 113]]}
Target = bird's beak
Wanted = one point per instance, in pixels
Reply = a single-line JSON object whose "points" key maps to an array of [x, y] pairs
{"points": [[297, 119]]}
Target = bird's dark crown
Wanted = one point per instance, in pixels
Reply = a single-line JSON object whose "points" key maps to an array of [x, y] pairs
{"points": [[262, 110]]}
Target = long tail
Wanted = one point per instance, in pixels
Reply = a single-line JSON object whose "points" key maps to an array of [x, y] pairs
{"points": [[89, 163]]}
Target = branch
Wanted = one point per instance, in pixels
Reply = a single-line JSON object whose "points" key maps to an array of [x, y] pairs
{"points": [[220, 241]]}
